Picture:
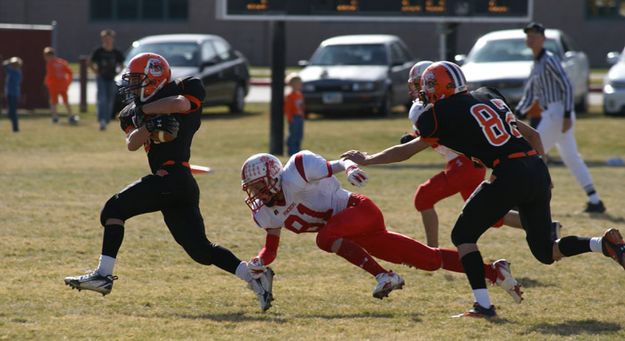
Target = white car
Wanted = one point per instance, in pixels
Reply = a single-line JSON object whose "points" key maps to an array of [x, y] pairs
{"points": [[614, 85], [501, 60]]}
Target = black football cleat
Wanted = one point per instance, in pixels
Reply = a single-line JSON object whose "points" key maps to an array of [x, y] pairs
{"points": [[479, 312], [595, 208]]}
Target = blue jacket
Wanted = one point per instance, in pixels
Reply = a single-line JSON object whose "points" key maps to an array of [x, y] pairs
{"points": [[12, 80]]}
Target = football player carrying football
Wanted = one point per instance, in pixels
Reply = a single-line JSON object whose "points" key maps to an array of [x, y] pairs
{"points": [[170, 188], [460, 175], [305, 197], [480, 125]]}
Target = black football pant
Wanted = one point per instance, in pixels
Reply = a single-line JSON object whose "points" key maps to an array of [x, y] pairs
{"points": [[523, 183], [176, 195]]}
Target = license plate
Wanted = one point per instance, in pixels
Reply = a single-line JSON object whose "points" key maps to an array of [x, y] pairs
{"points": [[332, 97]]}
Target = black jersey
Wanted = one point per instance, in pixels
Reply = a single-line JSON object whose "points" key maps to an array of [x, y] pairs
{"points": [[478, 124], [178, 150]]}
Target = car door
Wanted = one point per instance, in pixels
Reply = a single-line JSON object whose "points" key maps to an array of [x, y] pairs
{"points": [[210, 73], [228, 70], [401, 62], [575, 63]]}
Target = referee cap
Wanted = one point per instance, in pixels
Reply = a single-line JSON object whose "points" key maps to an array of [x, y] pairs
{"points": [[535, 27]]}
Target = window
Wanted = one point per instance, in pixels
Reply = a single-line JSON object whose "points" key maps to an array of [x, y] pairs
{"points": [[223, 50], [605, 9], [143, 10], [208, 52]]}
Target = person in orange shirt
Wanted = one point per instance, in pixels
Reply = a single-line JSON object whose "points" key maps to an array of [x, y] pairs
{"points": [[295, 114], [58, 78]]}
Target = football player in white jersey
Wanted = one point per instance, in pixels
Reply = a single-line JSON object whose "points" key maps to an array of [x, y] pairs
{"points": [[304, 196], [460, 175]]}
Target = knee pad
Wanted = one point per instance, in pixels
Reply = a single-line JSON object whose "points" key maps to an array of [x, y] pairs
{"points": [[422, 201], [111, 209], [325, 241]]}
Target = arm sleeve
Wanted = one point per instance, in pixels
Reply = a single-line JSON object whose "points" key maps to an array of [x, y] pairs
{"points": [[270, 250], [555, 70], [193, 90], [527, 99], [312, 167]]}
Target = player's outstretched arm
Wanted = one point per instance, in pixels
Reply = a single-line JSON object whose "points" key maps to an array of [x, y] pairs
{"points": [[167, 105], [137, 138], [532, 136], [392, 154]]}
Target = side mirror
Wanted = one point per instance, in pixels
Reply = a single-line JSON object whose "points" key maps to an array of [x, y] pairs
{"points": [[612, 57], [569, 54], [302, 62], [460, 58]]}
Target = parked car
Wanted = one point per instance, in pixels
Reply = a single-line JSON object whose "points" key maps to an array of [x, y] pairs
{"points": [[614, 85], [357, 73], [223, 70], [501, 60]]}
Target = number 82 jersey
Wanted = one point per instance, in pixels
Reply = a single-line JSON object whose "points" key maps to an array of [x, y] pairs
{"points": [[478, 124]]}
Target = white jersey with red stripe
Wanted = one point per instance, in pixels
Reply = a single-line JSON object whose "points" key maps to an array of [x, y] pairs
{"points": [[312, 195], [416, 110]]}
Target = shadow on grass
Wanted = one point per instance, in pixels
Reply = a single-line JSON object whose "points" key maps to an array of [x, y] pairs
{"points": [[214, 115], [533, 283], [413, 316], [571, 328], [598, 216], [233, 317]]}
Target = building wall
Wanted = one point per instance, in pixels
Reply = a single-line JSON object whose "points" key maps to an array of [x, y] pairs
{"points": [[77, 34]]}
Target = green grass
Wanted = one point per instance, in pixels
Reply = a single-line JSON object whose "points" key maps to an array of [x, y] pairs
{"points": [[55, 179]]}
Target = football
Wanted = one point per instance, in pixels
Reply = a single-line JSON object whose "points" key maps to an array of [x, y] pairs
{"points": [[161, 136], [165, 129]]}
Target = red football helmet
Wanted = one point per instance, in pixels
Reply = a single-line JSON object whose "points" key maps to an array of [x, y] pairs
{"points": [[441, 80], [145, 74], [414, 78], [260, 179]]}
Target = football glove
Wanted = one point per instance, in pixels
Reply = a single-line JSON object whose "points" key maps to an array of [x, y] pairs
{"points": [[135, 113], [356, 176], [407, 137], [256, 267], [165, 123]]}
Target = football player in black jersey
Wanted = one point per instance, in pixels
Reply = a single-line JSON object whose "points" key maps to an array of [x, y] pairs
{"points": [[480, 125], [170, 109]]}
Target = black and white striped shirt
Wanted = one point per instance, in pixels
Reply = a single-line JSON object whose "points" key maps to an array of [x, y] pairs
{"points": [[547, 83]]}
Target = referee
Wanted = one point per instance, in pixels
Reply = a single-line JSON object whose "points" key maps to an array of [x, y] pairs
{"points": [[549, 88]]}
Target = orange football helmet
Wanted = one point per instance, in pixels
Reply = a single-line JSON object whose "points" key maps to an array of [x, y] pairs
{"points": [[414, 78], [145, 74], [442, 80]]}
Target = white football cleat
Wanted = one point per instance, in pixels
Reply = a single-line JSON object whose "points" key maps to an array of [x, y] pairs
{"points": [[387, 282], [92, 281], [506, 281], [263, 287]]}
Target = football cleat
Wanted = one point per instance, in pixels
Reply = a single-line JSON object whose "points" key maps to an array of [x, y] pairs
{"points": [[556, 226], [92, 281], [506, 281], [613, 246], [387, 282], [263, 287], [479, 311], [594, 208]]}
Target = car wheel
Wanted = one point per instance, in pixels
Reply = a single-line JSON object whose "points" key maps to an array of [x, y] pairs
{"points": [[386, 107], [238, 99]]}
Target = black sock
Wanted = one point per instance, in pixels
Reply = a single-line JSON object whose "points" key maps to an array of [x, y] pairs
{"points": [[224, 259], [112, 240], [573, 245], [474, 268]]}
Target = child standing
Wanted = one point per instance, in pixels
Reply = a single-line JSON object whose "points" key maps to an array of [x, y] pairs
{"points": [[295, 114], [58, 79], [13, 79]]}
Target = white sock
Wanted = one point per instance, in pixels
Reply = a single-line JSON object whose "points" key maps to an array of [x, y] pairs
{"points": [[243, 273], [106, 265], [594, 198], [482, 298], [596, 245]]}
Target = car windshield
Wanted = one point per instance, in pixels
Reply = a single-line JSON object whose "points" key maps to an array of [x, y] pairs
{"points": [[177, 54], [363, 54], [505, 50]]}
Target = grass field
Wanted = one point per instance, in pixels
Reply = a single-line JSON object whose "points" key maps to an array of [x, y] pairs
{"points": [[55, 179]]}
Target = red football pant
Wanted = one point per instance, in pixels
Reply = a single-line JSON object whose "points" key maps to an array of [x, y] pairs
{"points": [[459, 176], [363, 233]]}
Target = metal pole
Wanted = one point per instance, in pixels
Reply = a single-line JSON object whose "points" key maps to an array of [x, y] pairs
{"points": [[83, 83], [278, 67]]}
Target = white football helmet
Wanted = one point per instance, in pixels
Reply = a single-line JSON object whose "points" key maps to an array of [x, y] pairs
{"points": [[260, 179], [414, 78]]}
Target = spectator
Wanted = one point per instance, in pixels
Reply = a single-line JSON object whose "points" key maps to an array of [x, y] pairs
{"points": [[294, 112], [58, 78], [105, 62], [13, 79]]}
